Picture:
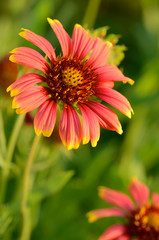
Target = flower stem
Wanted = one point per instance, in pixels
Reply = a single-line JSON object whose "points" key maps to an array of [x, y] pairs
{"points": [[9, 155], [91, 13], [25, 233]]}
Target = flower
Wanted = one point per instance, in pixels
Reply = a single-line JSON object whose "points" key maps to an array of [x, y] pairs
{"points": [[142, 216], [75, 81]]}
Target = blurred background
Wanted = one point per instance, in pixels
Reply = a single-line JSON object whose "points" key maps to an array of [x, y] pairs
{"points": [[64, 183]]}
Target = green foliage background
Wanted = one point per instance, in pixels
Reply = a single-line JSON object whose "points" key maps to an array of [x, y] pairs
{"points": [[64, 183]]}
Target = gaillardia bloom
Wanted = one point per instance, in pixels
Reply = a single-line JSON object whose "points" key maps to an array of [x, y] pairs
{"points": [[77, 80], [142, 215]]}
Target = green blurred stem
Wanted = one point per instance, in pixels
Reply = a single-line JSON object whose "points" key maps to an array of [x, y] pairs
{"points": [[91, 13], [25, 233], [2, 136], [9, 155]]}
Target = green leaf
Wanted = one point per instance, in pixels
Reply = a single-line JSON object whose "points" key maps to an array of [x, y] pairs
{"points": [[116, 54], [99, 32], [5, 219], [49, 186], [1, 160]]}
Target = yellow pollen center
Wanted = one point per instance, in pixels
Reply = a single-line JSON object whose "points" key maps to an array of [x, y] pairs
{"points": [[144, 223], [71, 81], [153, 220], [72, 76]]}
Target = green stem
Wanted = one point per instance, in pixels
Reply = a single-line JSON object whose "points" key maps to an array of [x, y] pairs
{"points": [[25, 233], [9, 155], [2, 136], [91, 13]]}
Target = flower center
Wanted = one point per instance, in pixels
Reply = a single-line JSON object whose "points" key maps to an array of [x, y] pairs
{"points": [[144, 223], [71, 80], [72, 76], [153, 220]]}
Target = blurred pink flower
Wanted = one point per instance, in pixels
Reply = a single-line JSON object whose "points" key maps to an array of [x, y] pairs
{"points": [[142, 216], [75, 80]]}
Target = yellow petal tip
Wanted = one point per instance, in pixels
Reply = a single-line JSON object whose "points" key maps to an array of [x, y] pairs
{"points": [[78, 25], [12, 58], [8, 89], [37, 131], [76, 146], [91, 217], [85, 140], [14, 104], [20, 111], [14, 92], [109, 44], [128, 114], [94, 143], [23, 29], [100, 192], [51, 21], [130, 81], [22, 34], [47, 133], [13, 50], [120, 130], [69, 147]]}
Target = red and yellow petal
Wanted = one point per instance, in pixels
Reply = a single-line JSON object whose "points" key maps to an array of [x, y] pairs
{"points": [[125, 237], [81, 42], [107, 117], [70, 128], [62, 35], [115, 99], [30, 99], [100, 54], [140, 192], [24, 82], [111, 73], [91, 127], [40, 42], [106, 84], [29, 57], [45, 118], [116, 198], [106, 212], [114, 232]]}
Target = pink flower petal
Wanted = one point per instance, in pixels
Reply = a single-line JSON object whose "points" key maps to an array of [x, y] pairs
{"points": [[116, 198], [124, 237], [155, 199], [113, 232], [100, 54], [111, 73], [115, 99], [45, 118], [106, 212], [30, 99], [140, 192], [29, 57], [24, 82], [62, 35], [106, 84], [70, 128], [81, 42], [40, 42], [91, 128], [107, 117]]}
